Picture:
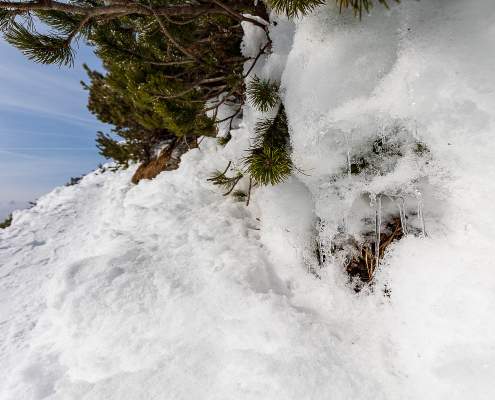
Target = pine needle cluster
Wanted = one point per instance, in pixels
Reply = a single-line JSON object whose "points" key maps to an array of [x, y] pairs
{"points": [[54, 47], [268, 161], [360, 6], [45, 49], [228, 183], [294, 8], [262, 94]]}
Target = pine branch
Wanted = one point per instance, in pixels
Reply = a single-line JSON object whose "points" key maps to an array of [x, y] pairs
{"points": [[46, 49], [239, 16], [268, 160], [171, 38], [191, 11], [7, 19], [293, 8], [63, 22], [268, 165], [220, 178], [78, 29], [263, 94], [192, 87], [358, 6]]}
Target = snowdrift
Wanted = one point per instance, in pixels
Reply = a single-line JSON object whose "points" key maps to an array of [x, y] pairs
{"points": [[169, 290]]}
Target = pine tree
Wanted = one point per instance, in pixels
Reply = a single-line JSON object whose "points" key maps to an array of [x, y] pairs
{"points": [[124, 97], [165, 60]]}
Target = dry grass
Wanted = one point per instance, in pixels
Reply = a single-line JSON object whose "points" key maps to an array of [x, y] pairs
{"points": [[364, 264]]}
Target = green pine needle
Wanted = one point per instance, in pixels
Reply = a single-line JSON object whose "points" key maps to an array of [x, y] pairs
{"points": [[228, 183], [272, 131], [268, 161], [358, 6], [263, 94], [45, 49], [293, 8], [7, 19], [60, 21], [269, 165]]}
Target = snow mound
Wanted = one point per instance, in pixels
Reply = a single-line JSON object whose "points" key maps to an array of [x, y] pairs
{"points": [[169, 290]]}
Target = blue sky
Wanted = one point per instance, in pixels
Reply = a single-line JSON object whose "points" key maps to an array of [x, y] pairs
{"points": [[46, 133]]}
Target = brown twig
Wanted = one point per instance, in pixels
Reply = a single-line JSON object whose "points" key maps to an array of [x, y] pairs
{"points": [[249, 191], [239, 16]]}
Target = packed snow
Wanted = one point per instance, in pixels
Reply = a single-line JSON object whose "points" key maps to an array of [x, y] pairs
{"points": [[169, 290]]}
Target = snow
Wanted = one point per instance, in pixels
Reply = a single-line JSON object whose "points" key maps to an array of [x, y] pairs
{"points": [[167, 289]]}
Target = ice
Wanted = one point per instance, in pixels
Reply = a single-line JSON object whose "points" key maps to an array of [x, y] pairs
{"points": [[378, 228], [421, 217]]}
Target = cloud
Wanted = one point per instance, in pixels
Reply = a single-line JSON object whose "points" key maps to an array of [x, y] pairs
{"points": [[46, 132], [45, 91]]}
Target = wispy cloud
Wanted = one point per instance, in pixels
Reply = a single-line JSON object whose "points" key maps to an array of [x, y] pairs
{"points": [[46, 132]]}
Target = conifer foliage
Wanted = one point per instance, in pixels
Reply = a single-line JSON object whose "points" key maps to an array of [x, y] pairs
{"points": [[165, 59], [293, 8], [268, 161], [228, 183], [262, 94], [70, 21]]}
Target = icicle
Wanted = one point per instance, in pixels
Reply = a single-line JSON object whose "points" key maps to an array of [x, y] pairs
{"points": [[420, 212], [402, 214], [348, 156], [400, 203], [378, 224]]}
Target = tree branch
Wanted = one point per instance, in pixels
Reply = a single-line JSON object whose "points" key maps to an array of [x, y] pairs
{"points": [[190, 11], [171, 38], [238, 15], [81, 25]]}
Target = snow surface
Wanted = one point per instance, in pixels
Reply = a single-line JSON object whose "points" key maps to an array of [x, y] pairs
{"points": [[169, 290]]}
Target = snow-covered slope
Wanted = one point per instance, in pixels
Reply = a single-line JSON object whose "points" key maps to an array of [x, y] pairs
{"points": [[169, 290]]}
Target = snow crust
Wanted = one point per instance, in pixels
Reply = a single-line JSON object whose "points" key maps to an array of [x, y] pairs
{"points": [[169, 290]]}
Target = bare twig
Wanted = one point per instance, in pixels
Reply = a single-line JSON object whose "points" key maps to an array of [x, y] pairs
{"points": [[239, 16], [236, 181], [249, 191], [171, 38], [78, 29]]}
